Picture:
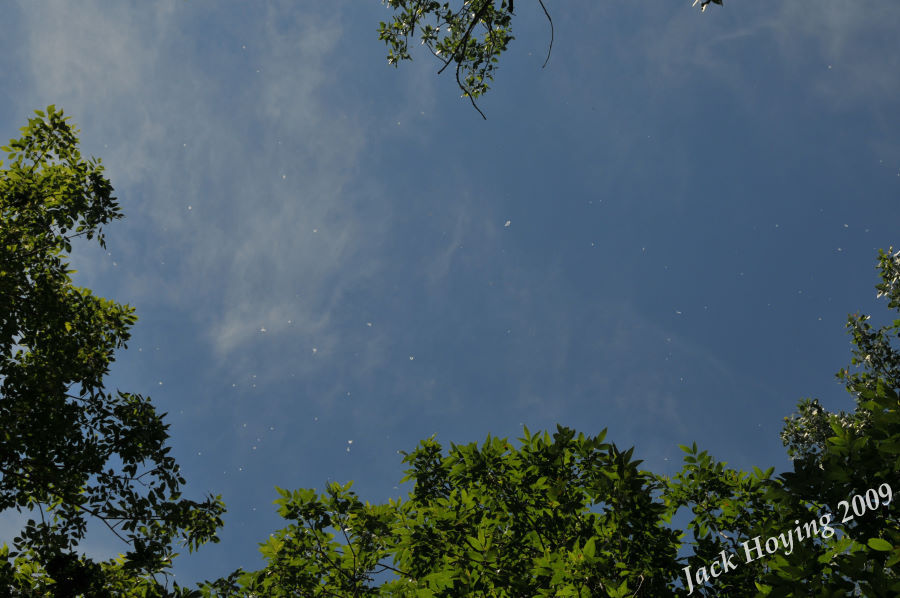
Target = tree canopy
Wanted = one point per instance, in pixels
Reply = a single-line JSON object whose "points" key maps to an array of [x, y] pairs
{"points": [[562, 514], [573, 515], [71, 450]]}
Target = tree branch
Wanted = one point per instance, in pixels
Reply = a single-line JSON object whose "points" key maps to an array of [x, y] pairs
{"points": [[547, 14]]}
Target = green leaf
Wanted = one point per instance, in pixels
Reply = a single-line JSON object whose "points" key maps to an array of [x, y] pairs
{"points": [[880, 544]]}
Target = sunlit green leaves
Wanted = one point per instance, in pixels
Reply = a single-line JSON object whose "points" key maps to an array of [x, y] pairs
{"points": [[571, 515], [556, 515], [468, 35]]}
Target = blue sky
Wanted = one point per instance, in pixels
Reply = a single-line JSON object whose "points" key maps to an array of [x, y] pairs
{"points": [[660, 233]]}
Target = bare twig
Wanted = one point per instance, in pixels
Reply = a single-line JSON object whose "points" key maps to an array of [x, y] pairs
{"points": [[547, 14], [639, 587]]}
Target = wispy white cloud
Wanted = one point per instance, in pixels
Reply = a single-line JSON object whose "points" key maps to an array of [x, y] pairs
{"points": [[253, 201], [836, 48], [851, 40], [672, 46]]}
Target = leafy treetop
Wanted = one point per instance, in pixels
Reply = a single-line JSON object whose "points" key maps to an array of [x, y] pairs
{"points": [[69, 449], [571, 515]]}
